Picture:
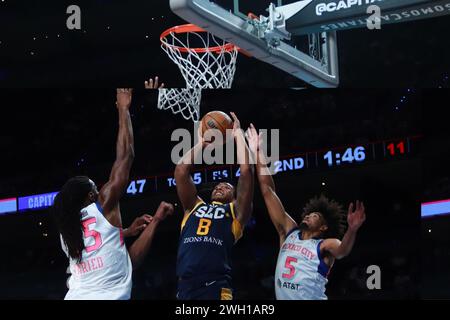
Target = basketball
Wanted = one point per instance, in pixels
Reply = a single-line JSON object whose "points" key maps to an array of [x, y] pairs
{"points": [[217, 120]]}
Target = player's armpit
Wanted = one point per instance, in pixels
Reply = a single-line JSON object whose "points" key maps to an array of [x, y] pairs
{"points": [[332, 247]]}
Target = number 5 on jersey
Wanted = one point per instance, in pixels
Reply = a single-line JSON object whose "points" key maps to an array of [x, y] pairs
{"points": [[288, 265], [91, 234], [203, 227]]}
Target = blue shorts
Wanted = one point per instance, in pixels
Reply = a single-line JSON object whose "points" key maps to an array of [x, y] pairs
{"points": [[205, 289]]}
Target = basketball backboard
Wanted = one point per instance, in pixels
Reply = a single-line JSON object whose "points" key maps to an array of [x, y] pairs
{"points": [[273, 31], [263, 36]]}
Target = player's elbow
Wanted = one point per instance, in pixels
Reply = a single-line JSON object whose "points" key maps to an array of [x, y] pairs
{"points": [[131, 154], [126, 157]]}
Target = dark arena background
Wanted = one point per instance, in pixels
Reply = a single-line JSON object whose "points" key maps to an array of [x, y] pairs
{"points": [[48, 136], [119, 44], [435, 239]]}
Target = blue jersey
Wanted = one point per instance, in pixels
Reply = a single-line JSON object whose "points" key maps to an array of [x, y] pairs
{"points": [[208, 233]]}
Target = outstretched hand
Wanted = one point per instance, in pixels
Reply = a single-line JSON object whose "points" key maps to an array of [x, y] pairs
{"points": [[165, 209], [150, 84], [124, 98], [356, 218], [236, 124], [254, 139], [138, 225]]}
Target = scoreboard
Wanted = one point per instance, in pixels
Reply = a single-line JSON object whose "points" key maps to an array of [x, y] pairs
{"points": [[326, 159]]}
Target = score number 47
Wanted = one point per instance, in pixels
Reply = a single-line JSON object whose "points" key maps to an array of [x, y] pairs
{"points": [[132, 189]]}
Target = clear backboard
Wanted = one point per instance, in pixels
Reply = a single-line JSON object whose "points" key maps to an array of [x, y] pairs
{"points": [[299, 36], [262, 35]]}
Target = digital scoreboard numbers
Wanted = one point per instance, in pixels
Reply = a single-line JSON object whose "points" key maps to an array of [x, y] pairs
{"points": [[142, 186], [329, 158], [344, 156], [396, 148], [136, 187], [217, 175]]}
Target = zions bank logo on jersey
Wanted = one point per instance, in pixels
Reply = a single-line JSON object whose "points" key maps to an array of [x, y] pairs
{"points": [[211, 212]]}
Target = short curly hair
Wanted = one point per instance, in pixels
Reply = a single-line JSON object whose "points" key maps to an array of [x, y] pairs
{"points": [[331, 211]]}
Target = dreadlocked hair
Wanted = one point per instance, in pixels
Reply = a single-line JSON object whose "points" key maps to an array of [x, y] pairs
{"points": [[331, 211], [66, 211]]}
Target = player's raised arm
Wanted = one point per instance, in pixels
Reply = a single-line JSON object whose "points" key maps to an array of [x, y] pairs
{"points": [[141, 246], [112, 191], [187, 192], [245, 186], [280, 218], [340, 249]]}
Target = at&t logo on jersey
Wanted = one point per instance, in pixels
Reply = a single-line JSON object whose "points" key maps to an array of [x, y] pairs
{"points": [[341, 5], [288, 285]]}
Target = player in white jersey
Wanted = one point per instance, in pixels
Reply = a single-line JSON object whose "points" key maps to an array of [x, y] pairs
{"points": [[90, 224], [307, 250]]}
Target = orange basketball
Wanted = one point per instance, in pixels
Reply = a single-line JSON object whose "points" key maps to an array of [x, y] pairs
{"points": [[217, 120]]}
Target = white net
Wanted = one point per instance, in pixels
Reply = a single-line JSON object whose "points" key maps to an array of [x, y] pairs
{"points": [[183, 101], [211, 64], [205, 62]]}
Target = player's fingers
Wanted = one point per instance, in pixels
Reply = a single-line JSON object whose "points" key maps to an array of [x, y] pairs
{"points": [[156, 82], [249, 133], [350, 207], [162, 85], [233, 115], [150, 83], [362, 207], [147, 218]]}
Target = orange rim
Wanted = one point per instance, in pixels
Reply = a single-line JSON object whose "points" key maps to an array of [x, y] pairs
{"points": [[186, 28]]}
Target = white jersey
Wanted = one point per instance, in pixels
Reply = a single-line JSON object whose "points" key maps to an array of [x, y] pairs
{"points": [[105, 270], [301, 273]]}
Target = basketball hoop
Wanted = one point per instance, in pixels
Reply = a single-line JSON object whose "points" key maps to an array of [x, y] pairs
{"points": [[211, 64], [205, 62]]}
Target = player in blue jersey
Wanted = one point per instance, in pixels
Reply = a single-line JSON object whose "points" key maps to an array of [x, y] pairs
{"points": [[210, 229], [308, 249]]}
